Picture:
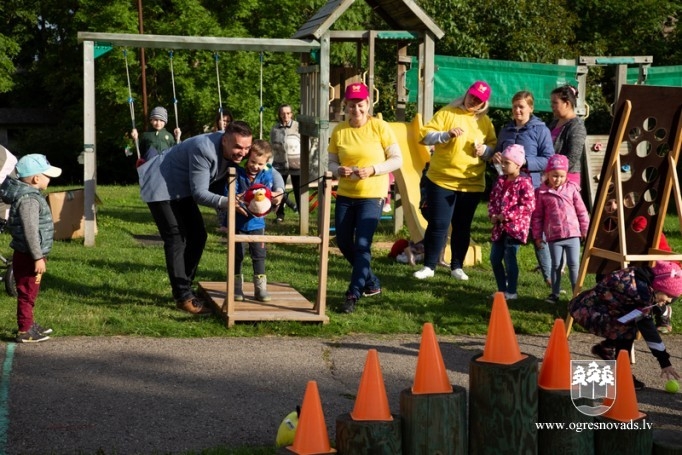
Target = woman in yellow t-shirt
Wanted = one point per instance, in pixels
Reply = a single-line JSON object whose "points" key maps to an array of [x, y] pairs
{"points": [[462, 134], [363, 150]]}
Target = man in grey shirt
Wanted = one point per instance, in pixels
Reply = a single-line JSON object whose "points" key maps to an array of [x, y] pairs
{"points": [[175, 183]]}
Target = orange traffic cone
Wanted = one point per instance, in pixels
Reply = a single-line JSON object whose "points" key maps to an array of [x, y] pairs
{"points": [[371, 402], [555, 372], [624, 407], [501, 345], [431, 376], [311, 433]]}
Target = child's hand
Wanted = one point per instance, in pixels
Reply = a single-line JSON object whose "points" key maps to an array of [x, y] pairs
{"points": [[177, 133], [39, 267], [133, 133], [669, 373], [539, 244]]}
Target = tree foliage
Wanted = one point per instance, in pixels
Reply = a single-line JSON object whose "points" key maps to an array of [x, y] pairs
{"points": [[41, 61]]}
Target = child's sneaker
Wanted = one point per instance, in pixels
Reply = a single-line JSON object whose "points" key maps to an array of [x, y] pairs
{"points": [[349, 303], [370, 291], [41, 330], [603, 351], [510, 296], [664, 323], [31, 336], [552, 298]]}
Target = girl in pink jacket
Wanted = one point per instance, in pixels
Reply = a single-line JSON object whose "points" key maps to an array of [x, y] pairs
{"points": [[561, 215], [512, 200]]}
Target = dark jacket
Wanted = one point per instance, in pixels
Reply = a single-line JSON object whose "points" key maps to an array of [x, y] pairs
{"points": [[159, 140], [619, 293], [571, 142]]}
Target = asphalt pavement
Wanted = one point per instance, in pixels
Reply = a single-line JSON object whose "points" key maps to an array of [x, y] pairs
{"points": [[132, 395]]}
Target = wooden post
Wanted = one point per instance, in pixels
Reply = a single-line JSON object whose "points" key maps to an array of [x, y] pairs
{"points": [[635, 436], [368, 436], [434, 423], [557, 406], [503, 407], [667, 442]]}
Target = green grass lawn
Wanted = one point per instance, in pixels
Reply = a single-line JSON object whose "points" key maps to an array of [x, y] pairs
{"points": [[120, 286]]}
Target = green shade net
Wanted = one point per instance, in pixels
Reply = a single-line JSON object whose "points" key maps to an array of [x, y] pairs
{"points": [[660, 75], [454, 75]]}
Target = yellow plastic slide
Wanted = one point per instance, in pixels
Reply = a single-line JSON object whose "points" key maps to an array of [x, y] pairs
{"points": [[415, 157]]}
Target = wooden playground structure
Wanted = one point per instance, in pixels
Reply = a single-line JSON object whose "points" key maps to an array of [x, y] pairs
{"points": [[411, 24], [637, 181]]}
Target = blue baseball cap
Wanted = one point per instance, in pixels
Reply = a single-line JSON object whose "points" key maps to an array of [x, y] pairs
{"points": [[35, 164]]}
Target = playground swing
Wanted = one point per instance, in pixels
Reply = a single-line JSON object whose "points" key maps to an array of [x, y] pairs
{"points": [[131, 103], [175, 100], [217, 76]]}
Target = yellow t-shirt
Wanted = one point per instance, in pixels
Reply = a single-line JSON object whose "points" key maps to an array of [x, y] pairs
{"points": [[454, 164], [362, 147]]}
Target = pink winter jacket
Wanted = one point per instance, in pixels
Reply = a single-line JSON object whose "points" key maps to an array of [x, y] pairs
{"points": [[515, 201], [559, 214]]}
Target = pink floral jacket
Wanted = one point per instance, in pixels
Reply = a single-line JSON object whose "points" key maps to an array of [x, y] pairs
{"points": [[515, 201], [559, 214]]}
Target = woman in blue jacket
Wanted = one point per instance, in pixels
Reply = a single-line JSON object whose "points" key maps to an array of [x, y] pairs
{"points": [[529, 131]]}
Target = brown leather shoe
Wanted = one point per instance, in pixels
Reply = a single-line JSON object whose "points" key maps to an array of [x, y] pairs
{"points": [[194, 306]]}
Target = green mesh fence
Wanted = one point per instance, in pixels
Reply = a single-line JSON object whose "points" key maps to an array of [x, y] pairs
{"points": [[454, 75], [670, 76]]}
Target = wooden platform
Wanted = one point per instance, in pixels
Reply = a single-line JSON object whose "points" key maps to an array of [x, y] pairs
{"points": [[286, 304]]}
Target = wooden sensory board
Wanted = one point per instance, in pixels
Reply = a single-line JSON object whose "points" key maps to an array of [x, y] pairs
{"points": [[637, 179]]}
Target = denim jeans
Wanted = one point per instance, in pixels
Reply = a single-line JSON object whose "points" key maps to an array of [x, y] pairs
{"points": [[505, 249], [448, 208], [543, 257], [256, 251], [184, 235], [356, 220], [571, 247]]}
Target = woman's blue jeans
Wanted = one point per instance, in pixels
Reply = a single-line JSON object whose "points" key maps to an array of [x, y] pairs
{"points": [[446, 208], [505, 249], [356, 220]]}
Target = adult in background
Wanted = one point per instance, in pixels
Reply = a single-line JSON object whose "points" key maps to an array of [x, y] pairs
{"points": [[568, 130], [461, 134], [529, 131], [286, 151], [222, 119], [599, 309], [362, 152], [174, 185]]}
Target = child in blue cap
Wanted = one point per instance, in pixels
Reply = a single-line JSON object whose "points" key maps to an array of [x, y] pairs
{"points": [[30, 224]]}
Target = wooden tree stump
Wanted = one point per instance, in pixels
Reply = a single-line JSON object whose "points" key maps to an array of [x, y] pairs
{"points": [[557, 406], [667, 442], [623, 437], [503, 408], [360, 437], [434, 423]]}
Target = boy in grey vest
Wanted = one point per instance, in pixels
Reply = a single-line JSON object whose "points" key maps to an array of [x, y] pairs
{"points": [[32, 229]]}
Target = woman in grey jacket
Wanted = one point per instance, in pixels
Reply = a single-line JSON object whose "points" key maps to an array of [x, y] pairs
{"points": [[568, 130]]}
